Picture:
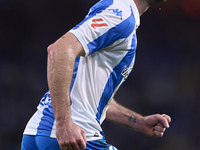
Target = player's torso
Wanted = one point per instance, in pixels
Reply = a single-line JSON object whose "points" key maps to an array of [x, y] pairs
{"points": [[98, 77], [108, 36], [110, 46]]}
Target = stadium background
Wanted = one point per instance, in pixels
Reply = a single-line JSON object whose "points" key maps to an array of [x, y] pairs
{"points": [[165, 78]]}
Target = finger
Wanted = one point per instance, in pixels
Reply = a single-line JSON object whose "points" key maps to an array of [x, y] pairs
{"points": [[68, 146], [162, 121], [62, 145], [75, 145], [84, 137], [167, 117], [82, 144], [159, 128], [158, 134]]}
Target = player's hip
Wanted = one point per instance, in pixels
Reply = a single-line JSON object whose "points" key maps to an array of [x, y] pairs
{"points": [[30, 142]]}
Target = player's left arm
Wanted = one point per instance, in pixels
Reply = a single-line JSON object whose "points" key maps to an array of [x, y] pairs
{"points": [[152, 125]]}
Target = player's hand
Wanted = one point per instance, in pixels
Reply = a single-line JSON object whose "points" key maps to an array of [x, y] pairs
{"points": [[155, 125], [71, 137]]}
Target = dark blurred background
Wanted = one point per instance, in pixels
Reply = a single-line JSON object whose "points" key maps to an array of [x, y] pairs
{"points": [[165, 78]]}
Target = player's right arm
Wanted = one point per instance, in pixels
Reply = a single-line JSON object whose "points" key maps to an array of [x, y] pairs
{"points": [[60, 65]]}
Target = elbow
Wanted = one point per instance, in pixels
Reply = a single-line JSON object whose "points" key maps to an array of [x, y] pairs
{"points": [[57, 49], [52, 55], [50, 49]]}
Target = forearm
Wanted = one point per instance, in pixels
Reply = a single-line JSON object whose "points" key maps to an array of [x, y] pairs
{"points": [[124, 116], [152, 125], [59, 74], [61, 58]]}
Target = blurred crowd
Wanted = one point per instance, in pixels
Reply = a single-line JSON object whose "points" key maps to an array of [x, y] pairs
{"points": [[165, 78]]}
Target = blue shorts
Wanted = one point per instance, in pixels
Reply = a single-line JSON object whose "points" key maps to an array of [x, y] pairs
{"points": [[30, 142]]}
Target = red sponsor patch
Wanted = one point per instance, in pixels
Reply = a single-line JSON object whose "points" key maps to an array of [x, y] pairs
{"points": [[98, 23]]}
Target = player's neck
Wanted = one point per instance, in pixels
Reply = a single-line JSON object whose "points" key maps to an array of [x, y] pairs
{"points": [[142, 6]]}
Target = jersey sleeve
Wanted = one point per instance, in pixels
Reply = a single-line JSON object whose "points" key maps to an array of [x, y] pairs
{"points": [[105, 24]]}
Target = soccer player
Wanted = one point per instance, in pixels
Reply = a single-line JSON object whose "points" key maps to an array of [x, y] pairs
{"points": [[86, 66]]}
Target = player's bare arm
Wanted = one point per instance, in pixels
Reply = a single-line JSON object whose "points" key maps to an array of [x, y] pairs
{"points": [[61, 58], [153, 125]]}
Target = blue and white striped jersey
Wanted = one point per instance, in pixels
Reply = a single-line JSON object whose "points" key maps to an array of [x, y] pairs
{"points": [[108, 36]]}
